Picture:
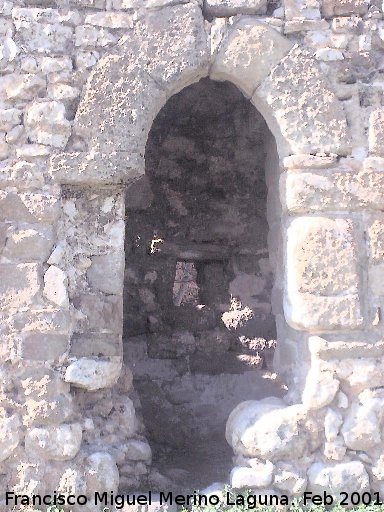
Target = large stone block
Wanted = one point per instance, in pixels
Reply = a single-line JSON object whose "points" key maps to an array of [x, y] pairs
{"points": [[332, 190], [20, 285], [29, 207], [248, 53], [376, 132], [287, 98], [156, 61], [322, 274]]}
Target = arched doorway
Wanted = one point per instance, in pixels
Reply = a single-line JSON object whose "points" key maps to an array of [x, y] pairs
{"points": [[199, 330]]}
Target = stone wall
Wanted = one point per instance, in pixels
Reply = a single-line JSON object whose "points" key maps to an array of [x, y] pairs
{"points": [[81, 83]]}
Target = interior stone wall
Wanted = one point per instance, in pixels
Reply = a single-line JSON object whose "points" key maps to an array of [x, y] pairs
{"points": [[81, 83]]}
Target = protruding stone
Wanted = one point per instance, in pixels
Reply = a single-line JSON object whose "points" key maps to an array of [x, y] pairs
{"points": [[93, 374]]}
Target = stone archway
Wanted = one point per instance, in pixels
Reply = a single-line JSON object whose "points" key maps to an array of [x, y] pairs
{"points": [[122, 97]]}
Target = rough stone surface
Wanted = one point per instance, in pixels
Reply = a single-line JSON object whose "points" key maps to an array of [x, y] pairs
{"points": [[259, 476], [346, 477], [45, 123], [91, 374], [287, 103], [270, 430], [323, 283], [233, 7], [250, 51], [54, 443]]}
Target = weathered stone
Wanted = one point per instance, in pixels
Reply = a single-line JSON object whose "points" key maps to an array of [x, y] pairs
{"points": [[110, 20], [22, 14], [303, 25], [29, 244], [55, 64], [362, 426], [376, 132], [93, 345], [88, 36], [344, 7], [233, 7], [375, 231], [9, 435], [9, 117], [106, 273], [139, 195], [37, 346], [44, 38], [345, 477], [45, 123], [60, 442], [332, 423], [320, 388], [303, 161], [101, 473], [270, 430], [103, 313], [19, 284], [308, 9], [260, 475], [322, 283], [331, 189], [21, 86], [92, 374], [285, 100], [247, 55], [63, 92], [55, 286], [289, 480], [138, 450]]}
